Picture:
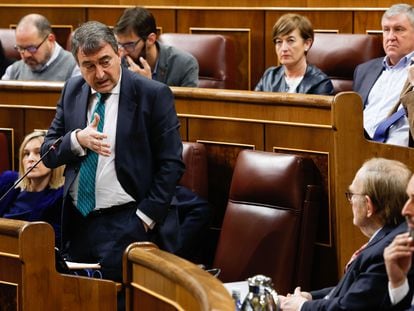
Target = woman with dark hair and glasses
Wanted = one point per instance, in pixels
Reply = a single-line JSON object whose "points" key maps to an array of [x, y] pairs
{"points": [[42, 58], [292, 37], [38, 197]]}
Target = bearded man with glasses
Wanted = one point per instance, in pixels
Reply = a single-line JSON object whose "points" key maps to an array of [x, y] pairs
{"points": [[42, 58], [136, 33]]}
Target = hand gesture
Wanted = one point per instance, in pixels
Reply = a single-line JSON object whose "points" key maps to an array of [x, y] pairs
{"points": [[397, 258], [145, 71], [90, 138]]}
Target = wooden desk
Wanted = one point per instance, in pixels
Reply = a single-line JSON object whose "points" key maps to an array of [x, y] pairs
{"points": [[326, 128], [157, 280], [28, 278]]}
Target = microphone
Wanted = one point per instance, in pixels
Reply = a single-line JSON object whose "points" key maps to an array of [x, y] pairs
{"points": [[52, 147]]}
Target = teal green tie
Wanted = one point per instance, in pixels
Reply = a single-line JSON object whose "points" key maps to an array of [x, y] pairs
{"points": [[87, 173]]}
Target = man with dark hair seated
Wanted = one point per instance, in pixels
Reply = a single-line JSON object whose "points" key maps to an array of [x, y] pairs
{"points": [[136, 33]]}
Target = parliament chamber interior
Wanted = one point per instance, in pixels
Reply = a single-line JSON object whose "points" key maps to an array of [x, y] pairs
{"points": [[301, 150]]}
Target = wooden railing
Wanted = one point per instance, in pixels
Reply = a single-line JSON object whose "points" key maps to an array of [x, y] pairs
{"points": [[327, 129], [157, 280], [28, 278]]}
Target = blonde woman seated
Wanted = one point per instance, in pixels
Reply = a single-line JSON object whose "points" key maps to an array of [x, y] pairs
{"points": [[293, 37], [38, 197]]}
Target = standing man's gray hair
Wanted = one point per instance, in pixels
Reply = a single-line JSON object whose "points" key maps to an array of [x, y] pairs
{"points": [[91, 36]]}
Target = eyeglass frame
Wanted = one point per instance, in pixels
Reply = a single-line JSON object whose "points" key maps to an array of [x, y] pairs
{"points": [[31, 47], [129, 46], [349, 195]]}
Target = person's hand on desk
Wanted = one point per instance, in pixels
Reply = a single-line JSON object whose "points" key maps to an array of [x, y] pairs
{"points": [[293, 302], [90, 138]]}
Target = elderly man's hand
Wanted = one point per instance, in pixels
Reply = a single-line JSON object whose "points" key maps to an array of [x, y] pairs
{"points": [[294, 302]]}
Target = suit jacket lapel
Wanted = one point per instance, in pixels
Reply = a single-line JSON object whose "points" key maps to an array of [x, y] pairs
{"points": [[371, 78], [81, 102], [378, 237], [126, 109]]}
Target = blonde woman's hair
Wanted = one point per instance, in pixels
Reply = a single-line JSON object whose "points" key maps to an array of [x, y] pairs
{"points": [[56, 179]]}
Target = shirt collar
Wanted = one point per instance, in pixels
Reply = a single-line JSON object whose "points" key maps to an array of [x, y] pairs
{"points": [[404, 62]]}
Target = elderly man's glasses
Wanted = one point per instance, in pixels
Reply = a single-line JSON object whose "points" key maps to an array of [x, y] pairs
{"points": [[129, 46], [349, 195], [31, 49]]}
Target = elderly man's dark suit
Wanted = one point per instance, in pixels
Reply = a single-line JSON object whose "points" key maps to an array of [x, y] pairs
{"points": [[148, 145], [365, 284]]}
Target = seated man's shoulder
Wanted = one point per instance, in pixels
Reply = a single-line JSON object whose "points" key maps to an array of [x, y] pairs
{"points": [[368, 64], [66, 54]]}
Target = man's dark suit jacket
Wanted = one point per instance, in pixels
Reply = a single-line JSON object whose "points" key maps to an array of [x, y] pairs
{"points": [[148, 145], [365, 76], [365, 284]]}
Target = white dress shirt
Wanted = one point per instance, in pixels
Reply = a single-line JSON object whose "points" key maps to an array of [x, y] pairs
{"points": [[397, 294], [384, 95], [108, 190]]}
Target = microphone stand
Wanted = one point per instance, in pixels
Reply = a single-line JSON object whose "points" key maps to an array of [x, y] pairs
{"points": [[52, 147]]}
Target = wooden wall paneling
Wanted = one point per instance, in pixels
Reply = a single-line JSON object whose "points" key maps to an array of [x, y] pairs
{"points": [[321, 21], [13, 118], [38, 119], [62, 34], [243, 48], [25, 108], [219, 3], [315, 143], [165, 18], [183, 128], [56, 15], [367, 21], [249, 21], [9, 132], [260, 3], [108, 16]]}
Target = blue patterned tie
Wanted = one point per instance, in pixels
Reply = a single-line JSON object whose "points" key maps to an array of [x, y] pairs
{"points": [[381, 133], [87, 173]]}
